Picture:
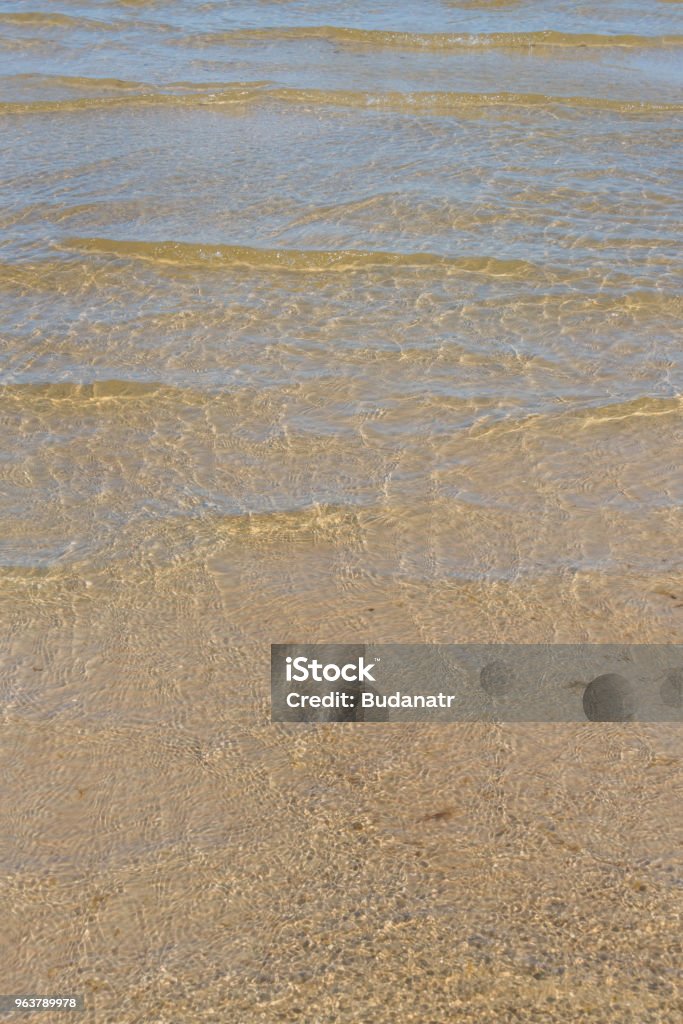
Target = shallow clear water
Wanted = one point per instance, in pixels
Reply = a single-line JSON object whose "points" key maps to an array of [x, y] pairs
{"points": [[334, 323]]}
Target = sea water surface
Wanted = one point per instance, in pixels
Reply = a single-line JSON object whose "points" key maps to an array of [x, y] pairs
{"points": [[351, 323]]}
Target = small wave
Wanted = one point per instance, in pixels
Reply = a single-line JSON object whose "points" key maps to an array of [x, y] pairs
{"points": [[71, 82], [184, 94], [433, 40], [156, 394], [43, 19], [133, 94], [619, 411], [69, 391], [186, 254], [645, 405]]}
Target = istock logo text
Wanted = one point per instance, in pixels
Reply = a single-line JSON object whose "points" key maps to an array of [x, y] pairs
{"points": [[299, 670]]}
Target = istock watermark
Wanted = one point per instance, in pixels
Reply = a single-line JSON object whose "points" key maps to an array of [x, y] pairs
{"points": [[477, 682], [301, 669]]}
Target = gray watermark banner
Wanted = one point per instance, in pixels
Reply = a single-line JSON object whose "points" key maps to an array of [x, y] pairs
{"points": [[476, 682]]}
